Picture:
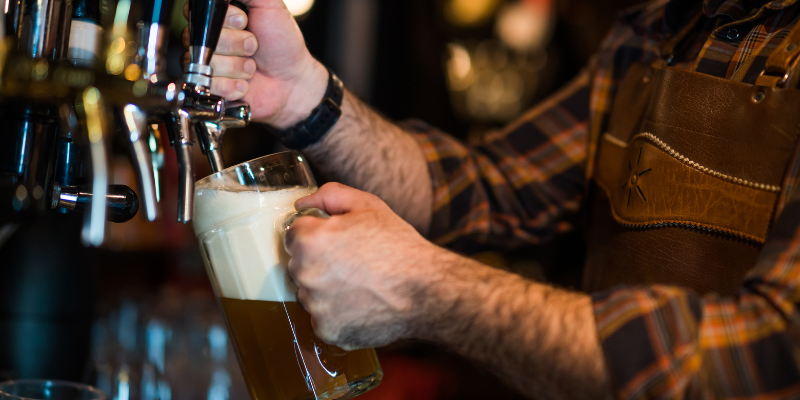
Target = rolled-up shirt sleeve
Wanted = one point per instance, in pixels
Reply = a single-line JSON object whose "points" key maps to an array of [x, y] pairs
{"points": [[518, 184], [667, 343]]}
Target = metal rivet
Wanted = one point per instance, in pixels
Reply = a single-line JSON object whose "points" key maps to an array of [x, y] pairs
{"points": [[791, 47], [759, 97], [733, 33]]}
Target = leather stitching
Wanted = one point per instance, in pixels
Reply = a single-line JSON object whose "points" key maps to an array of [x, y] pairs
{"points": [[710, 172], [689, 224], [752, 143]]}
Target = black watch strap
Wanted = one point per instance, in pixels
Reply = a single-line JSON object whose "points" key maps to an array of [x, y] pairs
{"points": [[321, 120]]}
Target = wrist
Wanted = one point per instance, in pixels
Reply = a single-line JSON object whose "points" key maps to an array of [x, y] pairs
{"points": [[305, 94]]}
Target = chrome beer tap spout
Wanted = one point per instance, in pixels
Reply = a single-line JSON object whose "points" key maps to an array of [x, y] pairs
{"points": [[212, 133], [195, 107], [134, 124], [198, 105]]}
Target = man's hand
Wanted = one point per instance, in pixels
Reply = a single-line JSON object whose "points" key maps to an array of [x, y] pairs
{"points": [[268, 65], [361, 273], [367, 279]]}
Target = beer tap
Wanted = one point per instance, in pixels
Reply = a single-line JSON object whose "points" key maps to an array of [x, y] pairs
{"points": [[236, 115], [122, 201], [54, 154], [211, 133], [139, 127], [134, 124], [27, 146], [206, 18]]}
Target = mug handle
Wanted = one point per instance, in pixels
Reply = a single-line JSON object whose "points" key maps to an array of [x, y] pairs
{"points": [[308, 212], [311, 212]]}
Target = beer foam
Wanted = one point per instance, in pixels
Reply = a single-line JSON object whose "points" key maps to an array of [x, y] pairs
{"points": [[241, 239]]}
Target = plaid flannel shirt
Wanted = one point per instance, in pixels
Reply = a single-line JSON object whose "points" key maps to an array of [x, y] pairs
{"points": [[519, 184]]}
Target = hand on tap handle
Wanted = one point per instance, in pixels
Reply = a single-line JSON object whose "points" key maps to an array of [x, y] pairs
{"points": [[196, 104], [267, 65], [232, 54]]}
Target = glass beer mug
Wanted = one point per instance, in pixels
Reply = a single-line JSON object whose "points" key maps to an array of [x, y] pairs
{"points": [[240, 218]]}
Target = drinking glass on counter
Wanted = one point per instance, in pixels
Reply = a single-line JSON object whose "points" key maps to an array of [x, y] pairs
{"points": [[240, 218], [41, 389]]}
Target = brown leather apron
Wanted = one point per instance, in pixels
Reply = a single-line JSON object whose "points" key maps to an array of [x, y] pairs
{"points": [[688, 175]]}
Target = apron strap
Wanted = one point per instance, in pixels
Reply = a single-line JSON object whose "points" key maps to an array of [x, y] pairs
{"points": [[778, 73], [782, 60]]}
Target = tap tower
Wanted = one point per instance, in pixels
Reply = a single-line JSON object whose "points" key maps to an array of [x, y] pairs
{"points": [[68, 83]]}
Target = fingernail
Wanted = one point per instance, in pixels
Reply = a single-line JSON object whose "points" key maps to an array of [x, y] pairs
{"points": [[250, 67], [238, 21], [242, 86], [250, 45]]}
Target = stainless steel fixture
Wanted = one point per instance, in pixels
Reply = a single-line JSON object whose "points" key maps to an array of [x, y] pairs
{"points": [[59, 116]]}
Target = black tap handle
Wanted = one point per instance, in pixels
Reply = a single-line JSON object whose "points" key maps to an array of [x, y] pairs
{"points": [[123, 203], [206, 18]]}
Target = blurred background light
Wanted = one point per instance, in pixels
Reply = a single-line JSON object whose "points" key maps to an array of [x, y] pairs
{"points": [[460, 74], [298, 7], [470, 12], [525, 26]]}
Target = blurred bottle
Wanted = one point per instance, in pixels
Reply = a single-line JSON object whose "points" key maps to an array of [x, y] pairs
{"points": [[86, 33]]}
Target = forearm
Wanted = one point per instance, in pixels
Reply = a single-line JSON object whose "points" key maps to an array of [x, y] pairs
{"points": [[368, 152], [541, 340]]}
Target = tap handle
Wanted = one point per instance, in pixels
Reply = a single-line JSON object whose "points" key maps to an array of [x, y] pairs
{"points": [[206, 18], [121, 201]]}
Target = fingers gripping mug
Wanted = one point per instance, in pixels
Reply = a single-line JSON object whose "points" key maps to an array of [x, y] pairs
{"points": [[240, 218]]}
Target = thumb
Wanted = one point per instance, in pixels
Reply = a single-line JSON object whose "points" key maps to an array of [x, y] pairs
{"points": [[335, 198]]}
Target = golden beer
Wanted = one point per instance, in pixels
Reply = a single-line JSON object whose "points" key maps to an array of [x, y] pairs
{"points": [[239, 222]]}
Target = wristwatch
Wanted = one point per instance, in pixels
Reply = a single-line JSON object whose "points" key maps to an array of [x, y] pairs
{"points": [[321, 120]]}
